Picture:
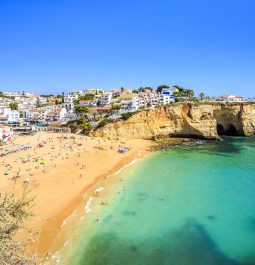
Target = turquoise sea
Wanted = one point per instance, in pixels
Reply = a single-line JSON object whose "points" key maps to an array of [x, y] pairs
{"points": [[190, 205]]}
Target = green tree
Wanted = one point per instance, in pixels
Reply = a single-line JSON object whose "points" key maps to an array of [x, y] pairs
{"points": [[180, 89], [38, 103], [115, 108], [143, 89], [81, 110], [85, 125], [159, 88], [14, 106], [57, 102], [189, 93], [104, 122], [85, 97], [127, 115], [135, 91], [1, 94], [201, 96]]}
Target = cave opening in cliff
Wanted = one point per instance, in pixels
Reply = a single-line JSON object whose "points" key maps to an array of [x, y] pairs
{"points": [[220, 129], [229, 130]]}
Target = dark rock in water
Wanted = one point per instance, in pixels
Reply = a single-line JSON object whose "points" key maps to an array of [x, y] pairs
{"points": [[129, 213], [142, 196], [189, 245], [171, 142], [252, 224], [108, 218], [211, 217], [134, 248]]}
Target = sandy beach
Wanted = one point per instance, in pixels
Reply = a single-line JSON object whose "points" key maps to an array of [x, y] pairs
{"points": [[60, 168]]}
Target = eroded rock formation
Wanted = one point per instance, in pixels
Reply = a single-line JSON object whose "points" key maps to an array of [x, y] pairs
{"points": [[199, 120]]}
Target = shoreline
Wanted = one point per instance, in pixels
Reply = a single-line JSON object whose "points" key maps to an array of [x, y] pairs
{"points": [[73, 167], [78, 214], [60, 174], [70, 216], [87, 212]]}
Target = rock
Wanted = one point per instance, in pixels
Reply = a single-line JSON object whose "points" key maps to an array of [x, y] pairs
{"points": [[189, 120]]}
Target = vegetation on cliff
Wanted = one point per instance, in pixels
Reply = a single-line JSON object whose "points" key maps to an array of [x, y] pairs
{"points": [[14, 213], [104, 122], [125, 116]]}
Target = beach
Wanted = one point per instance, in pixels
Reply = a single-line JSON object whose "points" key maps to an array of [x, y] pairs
{"points": [[59, 169]]}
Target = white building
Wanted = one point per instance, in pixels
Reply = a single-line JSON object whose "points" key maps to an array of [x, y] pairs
{"points": [[94, 91], [55, 114], [42, 100], [229, 98], [70, 116], [135, 103], [69, 101], [169, 90], [87, 103], [166, 99], [78, 93], [18, 94], [35, 114], [105, 99], [49, 113], [69, 98], [9, 115], [69, 106], [150, 99], [126, 105]]}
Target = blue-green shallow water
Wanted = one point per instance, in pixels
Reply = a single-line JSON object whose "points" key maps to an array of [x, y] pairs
{"points": [[186, 206]]}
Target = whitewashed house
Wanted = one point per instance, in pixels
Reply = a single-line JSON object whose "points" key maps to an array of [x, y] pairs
{"points": [[87, 103], [55, 114], [229, 98], [69, 98], [9, 115], [35, 114], [105, 99]]}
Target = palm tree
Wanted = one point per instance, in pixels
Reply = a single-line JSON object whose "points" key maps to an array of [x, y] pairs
{"points": [[189, 93]]}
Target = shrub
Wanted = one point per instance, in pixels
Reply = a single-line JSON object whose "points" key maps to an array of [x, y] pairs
{"points": [[127, 115], [104, 122], [13, 215], [186, 100]]}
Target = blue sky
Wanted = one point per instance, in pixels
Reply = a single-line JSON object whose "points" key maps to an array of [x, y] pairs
{"points": [[49, 46]]}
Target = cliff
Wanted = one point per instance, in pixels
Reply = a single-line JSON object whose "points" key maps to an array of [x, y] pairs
{"points": [[198, 120]]}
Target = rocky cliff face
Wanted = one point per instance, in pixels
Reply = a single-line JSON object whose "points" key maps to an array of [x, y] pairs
{"points": [[199, 120]]}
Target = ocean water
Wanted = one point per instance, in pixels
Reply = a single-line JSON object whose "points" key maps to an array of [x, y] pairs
{"points": [[192, 205]]}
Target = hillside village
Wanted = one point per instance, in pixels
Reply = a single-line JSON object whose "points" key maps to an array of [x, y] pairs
{"points": [[91, 107]]}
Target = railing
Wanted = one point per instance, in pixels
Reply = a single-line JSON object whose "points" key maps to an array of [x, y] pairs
{"points": [[54, 129]]}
